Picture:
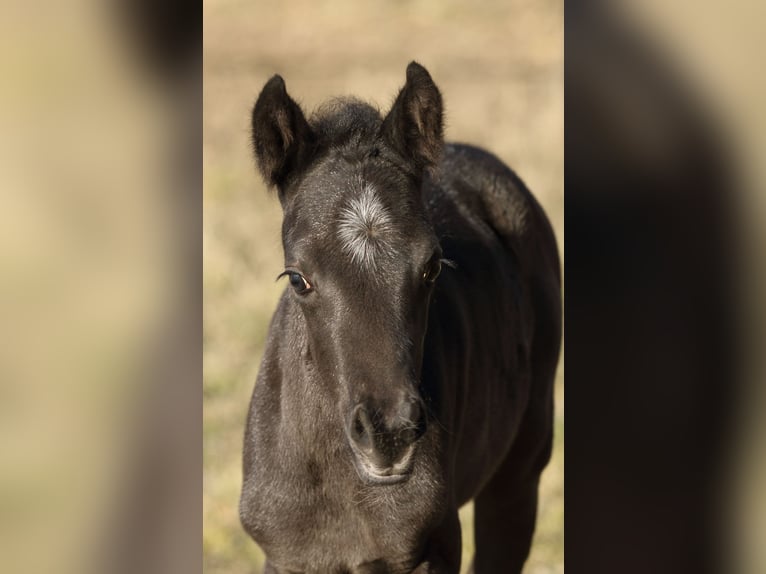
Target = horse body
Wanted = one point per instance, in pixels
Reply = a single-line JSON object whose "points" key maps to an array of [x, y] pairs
{"points": [[386, 398]]}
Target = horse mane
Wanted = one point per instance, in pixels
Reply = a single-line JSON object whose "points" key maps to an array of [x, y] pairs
{"points": [[344, 120]]}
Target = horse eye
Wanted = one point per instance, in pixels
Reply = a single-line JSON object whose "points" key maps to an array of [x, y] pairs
{"points": [[432, 271], [299, 283]]}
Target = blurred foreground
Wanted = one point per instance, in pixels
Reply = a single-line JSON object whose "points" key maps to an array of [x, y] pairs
{"points": [[100, 274], [665, 291]]}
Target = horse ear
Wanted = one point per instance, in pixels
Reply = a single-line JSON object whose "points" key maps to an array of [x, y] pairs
{"points": [[414, 125], [282, 138]]}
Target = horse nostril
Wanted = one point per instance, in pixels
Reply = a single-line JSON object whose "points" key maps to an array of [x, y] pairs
{"points": [[412, 422], [411, 412], [408, 435], [361, 430], [358, 428], [384, 440]]}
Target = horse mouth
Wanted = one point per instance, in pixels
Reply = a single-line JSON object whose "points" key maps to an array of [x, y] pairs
{"points": [[372, 474]]}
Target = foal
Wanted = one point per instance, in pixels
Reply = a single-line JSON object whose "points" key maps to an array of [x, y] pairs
{"points": [[409, 364]]}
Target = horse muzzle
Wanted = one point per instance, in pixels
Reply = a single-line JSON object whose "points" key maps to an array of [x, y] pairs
{"points": [[384, 447]]}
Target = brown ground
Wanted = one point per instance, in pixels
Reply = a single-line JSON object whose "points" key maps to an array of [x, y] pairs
{"points": [[500, 69]]}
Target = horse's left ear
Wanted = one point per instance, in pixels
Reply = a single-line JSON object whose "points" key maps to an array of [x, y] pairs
{"points": [[414, 125]]}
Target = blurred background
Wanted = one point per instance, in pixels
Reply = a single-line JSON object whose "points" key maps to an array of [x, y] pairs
{"points": [[499, 66], [102, 242]]}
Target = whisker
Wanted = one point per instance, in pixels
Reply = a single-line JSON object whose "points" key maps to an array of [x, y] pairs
{"points": [[448, 262]]}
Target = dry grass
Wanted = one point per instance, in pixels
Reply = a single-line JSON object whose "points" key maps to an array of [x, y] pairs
{"points": [[500, 69]]}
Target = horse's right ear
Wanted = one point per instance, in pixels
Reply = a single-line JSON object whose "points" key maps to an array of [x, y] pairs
{"points": [[282, 138]]}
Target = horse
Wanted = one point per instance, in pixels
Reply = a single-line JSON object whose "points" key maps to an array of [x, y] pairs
{"points": [[410, 361]]}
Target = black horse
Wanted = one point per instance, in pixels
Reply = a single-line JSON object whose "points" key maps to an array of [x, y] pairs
{"points": [[409, 365]]}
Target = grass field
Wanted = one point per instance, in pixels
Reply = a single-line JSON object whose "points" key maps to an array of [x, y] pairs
{"points": [[500, 69]]}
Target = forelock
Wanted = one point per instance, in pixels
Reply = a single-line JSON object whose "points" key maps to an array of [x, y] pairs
{"points": [[340, 121]]}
